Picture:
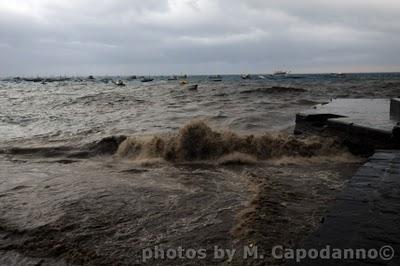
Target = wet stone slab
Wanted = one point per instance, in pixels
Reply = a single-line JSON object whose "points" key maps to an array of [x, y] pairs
{"points": [[366, 214]]}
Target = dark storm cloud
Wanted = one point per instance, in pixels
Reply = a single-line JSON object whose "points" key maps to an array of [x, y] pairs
{"points": [[197, 36]]}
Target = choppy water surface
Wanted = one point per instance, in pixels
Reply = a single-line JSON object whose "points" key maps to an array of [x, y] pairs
{"points": [[88, 110], [92, 173]]}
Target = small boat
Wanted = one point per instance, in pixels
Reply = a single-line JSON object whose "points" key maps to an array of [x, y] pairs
{"points": [[245, 76], [192, 87], [148, 79], [215, 78], [37, 80], [173, 78], [340, 74], [261, 77], [90, 77], [34, 79], [119, 83], [133, 77]]}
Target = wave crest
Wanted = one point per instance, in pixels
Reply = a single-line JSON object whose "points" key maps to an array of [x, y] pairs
{"points": [[197, 141]]}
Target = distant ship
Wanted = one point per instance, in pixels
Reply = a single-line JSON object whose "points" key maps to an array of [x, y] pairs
{"points": [[281, 73]]}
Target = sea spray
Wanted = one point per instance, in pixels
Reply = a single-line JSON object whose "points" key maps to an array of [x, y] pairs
{"points": [[197, 141]]}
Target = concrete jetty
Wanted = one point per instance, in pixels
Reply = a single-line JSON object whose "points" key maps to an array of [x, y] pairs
{"points": [[363, 124], [366, 214]]}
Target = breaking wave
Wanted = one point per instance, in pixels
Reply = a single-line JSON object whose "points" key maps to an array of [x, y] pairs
{"points": [[197, 141]]}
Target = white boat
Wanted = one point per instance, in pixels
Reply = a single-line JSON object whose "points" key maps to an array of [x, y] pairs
{"points": [[119, 83], [245, 76]]}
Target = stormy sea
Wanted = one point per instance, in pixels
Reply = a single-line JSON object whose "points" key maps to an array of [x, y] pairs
{"points": [[93, 173]]}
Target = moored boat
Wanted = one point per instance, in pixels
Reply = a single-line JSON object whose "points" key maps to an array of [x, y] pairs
{"points": [[148, 79], [119, 83], [192, 87]]}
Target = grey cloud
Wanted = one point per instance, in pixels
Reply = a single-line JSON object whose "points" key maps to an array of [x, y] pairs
{"points": [[197, 36]]}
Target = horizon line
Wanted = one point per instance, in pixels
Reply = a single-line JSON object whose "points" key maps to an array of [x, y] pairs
{"points": [[207, 74]]}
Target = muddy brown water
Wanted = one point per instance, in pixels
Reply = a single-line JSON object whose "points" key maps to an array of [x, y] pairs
{"points": [[70, 194], [105, 212]]}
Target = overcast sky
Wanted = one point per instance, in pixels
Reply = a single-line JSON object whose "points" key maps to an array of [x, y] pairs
{"points": [[51, 37]]}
